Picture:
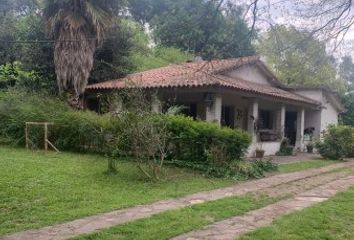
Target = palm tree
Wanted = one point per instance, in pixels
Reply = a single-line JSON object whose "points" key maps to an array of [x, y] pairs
{"points": [[78, 28]]}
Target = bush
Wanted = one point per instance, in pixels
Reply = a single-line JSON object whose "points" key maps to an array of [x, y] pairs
{"points": [[337, 142], [285, 148], [237, 170], [194, 141], [214, 149], [73, 130]]}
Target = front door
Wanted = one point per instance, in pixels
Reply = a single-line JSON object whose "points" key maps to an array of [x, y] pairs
{"points": [[290, 127], [228, 116]]}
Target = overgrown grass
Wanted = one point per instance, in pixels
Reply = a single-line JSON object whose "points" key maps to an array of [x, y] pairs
{"points": [[303, 165], [176, 222], [39, 189], [330, 220]]}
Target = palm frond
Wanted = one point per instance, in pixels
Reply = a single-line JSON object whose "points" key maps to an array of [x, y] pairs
{"points": [[78, 26], [100, 19]]}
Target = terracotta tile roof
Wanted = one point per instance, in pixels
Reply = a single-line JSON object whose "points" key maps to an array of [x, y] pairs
{"points": [[199, 74], [262, 89]]}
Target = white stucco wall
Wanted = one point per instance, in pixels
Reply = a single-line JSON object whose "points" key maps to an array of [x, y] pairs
{"points": [[316, 95], [313, 119], [329, 115], [270, 148], [250, 73], [319, 119]]}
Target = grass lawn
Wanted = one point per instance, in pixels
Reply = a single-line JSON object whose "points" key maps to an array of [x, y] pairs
{"points": [[173, 223], [330, 220], [38, 189], [303, 165]]}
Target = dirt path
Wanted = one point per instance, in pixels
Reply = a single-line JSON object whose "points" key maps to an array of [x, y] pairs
{"points": [[235, 227], [278, 185]]}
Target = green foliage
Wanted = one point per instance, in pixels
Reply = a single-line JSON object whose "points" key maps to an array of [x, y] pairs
{"points": [[13, 75], [348, 117], [170, 224], [114, 58], [144, 11], [298, 58], [158, 57], [37, 54], [12, 12], [18, 108], [337, 142], [193, 140], [126, 50], [303, 165], [40, 189], [20, 31], [211, 149], [330, 220], [346, 70], [198, 26], [198, 143], [285, 149], [73, 130]]}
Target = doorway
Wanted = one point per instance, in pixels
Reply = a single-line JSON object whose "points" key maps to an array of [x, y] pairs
{"points": [[228, 116], [291, 127]]}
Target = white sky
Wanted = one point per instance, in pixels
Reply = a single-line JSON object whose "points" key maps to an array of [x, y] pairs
{"points": [[283, 12]]}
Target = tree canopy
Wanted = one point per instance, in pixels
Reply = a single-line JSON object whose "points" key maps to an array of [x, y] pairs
{"points": [[346, 70], [147, 34], [298, 58], [204, 28]]}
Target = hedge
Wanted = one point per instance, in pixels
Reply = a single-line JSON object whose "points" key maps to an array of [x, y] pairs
{"points": [[337, 142], [189, 140], [193, 140]]}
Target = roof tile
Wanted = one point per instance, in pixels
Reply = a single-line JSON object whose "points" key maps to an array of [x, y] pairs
{"points": [[199, 74]]}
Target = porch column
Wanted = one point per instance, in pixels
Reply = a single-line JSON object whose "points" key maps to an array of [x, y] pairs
{"points": [[156, 105], [116, 106], [300, 129], [281, 121], [252, 118], [213, 111]]}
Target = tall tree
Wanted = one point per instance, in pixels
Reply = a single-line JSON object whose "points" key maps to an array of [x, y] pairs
{"points": [[144, 11], [209, 28], [346, 70], [78, 28], [114, 58], [10, 13], [298, 58], [348, 116]]}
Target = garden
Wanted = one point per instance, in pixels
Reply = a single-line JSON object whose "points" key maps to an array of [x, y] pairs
{"points": [[102, 167], [149, 140]]}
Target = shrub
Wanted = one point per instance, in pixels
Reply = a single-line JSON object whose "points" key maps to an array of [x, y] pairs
{"points": [[195, 144], [238, 170], [195, 141], [84, 131], [285, 148], [16, 108], [337, 142]]}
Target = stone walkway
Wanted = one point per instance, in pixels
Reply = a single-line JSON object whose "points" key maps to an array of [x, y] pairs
{"points": [[233, 228], [268, 185]]}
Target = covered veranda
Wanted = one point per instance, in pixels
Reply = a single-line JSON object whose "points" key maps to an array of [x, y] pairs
{"points": [[269, 119]]}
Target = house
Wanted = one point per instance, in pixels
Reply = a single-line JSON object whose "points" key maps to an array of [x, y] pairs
{"points": [[239, 93]]}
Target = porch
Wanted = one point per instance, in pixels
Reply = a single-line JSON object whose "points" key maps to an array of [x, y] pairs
{"points": [[268, 120]]}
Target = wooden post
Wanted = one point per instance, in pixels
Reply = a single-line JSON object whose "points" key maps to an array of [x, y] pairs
{"points": [[46, 137], [26, 137], [47, 143]]}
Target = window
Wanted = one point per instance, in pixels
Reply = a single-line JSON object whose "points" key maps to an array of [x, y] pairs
{"points": [[227, 116], [190, 110], [266, 119]]}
